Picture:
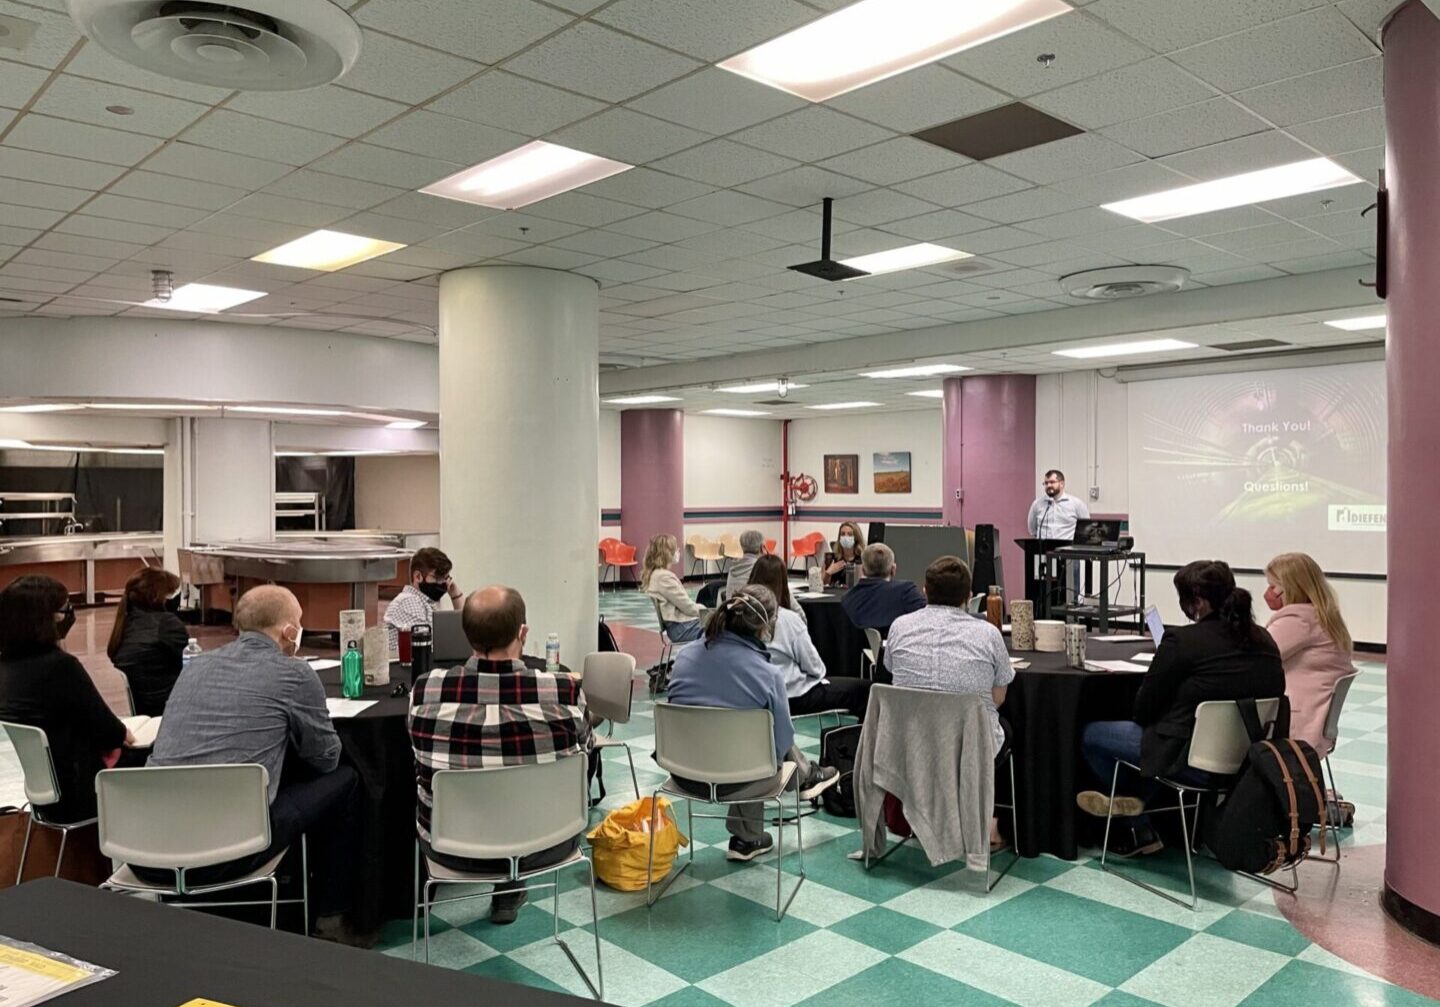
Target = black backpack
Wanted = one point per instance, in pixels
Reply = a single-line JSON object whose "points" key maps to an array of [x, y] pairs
{"points": [[839, 747], [1264, 823], [607, 638]]}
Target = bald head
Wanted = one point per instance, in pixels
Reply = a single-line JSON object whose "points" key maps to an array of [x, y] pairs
{"points": [[494, 622], [271, 610]]}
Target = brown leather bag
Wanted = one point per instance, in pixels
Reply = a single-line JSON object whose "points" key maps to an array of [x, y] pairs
{"points": [[83, 862]]}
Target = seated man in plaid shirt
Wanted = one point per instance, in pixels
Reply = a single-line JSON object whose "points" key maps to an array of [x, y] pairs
{"points": [[494, 711]]}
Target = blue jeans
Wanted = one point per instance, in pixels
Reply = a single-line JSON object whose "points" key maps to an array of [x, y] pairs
{"points": [[684, 632], [1105, 742]]}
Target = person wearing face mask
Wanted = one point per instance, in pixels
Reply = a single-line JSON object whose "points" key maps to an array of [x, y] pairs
{"points": [[253, 701], [733, 670], [148, 638], [1221, 655], [845, 552], [417, 601], [43, 686]]}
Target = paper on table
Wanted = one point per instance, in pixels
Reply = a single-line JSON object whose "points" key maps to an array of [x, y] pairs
{"points": [[1143, 658], [1122, 638], [144, 730], [323, 664], [1114, 666], [343, 708], [30, 974], [811, 594]]}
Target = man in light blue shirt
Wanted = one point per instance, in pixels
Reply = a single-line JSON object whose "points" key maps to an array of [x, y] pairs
{"points": [[1053, 515]]}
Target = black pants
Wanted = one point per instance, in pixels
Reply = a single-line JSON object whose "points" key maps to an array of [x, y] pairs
{"points": [[534, 862], [321, 807], [849, 694]]}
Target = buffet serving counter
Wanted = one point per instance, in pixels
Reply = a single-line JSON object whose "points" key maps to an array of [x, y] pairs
{"points": [[90, 565]]}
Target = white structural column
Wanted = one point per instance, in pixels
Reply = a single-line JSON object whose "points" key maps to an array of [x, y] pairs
{"points": [[230, 492], [519, 418]]}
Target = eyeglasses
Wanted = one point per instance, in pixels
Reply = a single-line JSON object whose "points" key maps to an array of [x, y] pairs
{"points": [[401, 689]]}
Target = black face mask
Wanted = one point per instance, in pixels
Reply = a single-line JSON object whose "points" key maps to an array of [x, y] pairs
{"points": [[172, 604], [66, 623], [432, 589]]}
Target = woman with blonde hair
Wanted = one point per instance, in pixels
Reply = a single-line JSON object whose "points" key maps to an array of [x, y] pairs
{"points": [[1315, 645], [844, 552], [681, 619]]}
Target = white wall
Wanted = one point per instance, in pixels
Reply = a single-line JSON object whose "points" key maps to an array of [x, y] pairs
{"points": [[609, 460], [1082, 428], [398, 492], [731, 464]]}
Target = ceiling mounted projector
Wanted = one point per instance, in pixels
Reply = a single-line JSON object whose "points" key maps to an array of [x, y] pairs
{"points": [[1116, 283], [825, 267], [258, 45]]}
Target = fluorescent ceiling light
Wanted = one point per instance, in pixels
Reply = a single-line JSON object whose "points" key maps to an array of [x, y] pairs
{"points": [[906, 257], [736, 412], [204, 298], [642, 400], [178, 407], [288, 411], [1125, 349], [875, 39], [327, 250], [844, 405], [1358, 324], [525, 175], [1237, 190], [759, 386], [40, 407], [405, 425], [918, 371], [79, 449], [929, 393]]}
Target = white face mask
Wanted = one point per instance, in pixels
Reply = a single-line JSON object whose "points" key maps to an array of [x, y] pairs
{"points": [[299, 632], [847, 542]]}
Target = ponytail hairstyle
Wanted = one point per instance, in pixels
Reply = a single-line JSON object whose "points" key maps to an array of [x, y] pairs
{"points": [[749, 612], [147, 591], [1211, 581], [1303, 582]]}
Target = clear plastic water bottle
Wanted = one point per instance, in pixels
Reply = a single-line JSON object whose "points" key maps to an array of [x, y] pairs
{"points": [[192, 649], [352, 672], [552, 652]]}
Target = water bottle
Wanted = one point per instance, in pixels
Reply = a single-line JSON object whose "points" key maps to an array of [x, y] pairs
{"points": [[552, 652], [352, 672], [189, 653], [420, 637]]}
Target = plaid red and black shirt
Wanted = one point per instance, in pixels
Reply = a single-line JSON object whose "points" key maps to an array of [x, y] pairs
{"points": [[492, 713]]}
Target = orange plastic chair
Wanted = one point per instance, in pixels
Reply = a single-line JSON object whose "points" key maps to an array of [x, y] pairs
{"points": [[804, 549], [770, 545], [617, 555]]}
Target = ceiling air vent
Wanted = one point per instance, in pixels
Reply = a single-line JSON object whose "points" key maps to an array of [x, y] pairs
{"points": [[1119, 282], [1250, 344], [256, 45]]}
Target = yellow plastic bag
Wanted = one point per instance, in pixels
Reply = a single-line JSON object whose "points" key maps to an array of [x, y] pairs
{"points": [[621, 844]]}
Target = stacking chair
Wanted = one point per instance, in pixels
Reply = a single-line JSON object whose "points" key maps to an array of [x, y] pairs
{"points": [[42, 787], [604, 564], [872, 654], [729, 549], [617, 555], [182, 818], [507, 814], [609, 683], [714, 747], [770, 545], [1218, 745], [805, 549], [705, 553], [1331, 731]]}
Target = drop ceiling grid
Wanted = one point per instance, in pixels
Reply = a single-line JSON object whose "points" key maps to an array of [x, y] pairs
{"points": [[802, 151]]}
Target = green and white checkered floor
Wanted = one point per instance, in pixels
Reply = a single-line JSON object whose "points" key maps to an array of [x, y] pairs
{"points": [[1052, 934]]}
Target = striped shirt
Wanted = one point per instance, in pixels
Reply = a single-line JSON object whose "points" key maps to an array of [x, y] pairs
{"points": [[488, 714]]}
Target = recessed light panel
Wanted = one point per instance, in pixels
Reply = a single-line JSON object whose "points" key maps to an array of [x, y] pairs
{"points": [[918, 371], [327, 251], [525, 175], [1125, 349], [41, 407], [929, 393], [642, 400], [875, 39], [1294, 179], [204, 298], [844, 405], [893, 260], [759, 386], [735, 412], [1358, 324], [404, 424]]}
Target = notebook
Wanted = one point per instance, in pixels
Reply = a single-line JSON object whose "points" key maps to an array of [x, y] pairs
{"points": [[144, 729]]}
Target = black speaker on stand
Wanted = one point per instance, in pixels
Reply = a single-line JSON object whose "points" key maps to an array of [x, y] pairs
{"points": [[987, 570]]}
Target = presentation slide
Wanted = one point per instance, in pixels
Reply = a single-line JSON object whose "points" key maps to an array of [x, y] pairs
{"points": [[1242, 467]]}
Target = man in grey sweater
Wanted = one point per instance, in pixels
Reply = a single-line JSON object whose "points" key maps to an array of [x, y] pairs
{"points": [[752, 544]]}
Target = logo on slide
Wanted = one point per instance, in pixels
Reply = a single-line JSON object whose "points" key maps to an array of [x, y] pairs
{"points": [[1357, 517]]}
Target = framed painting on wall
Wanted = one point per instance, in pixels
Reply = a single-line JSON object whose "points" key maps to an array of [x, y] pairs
{"points": [[892, 471], [842, 473]]}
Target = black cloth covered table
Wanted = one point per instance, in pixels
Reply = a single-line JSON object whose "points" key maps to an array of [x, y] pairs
{"points": [[1048, 705], [165, 956], [835, 636]]}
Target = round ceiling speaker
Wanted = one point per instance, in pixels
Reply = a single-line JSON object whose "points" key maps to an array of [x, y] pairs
{"points": [[1116, 283], [256, 45]]}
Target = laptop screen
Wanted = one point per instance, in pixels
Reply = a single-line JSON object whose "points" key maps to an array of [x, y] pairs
{"points": [[1097, 531], [1154, 624]]}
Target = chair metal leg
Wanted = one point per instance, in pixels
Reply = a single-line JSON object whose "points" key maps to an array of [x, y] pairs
{"points": [[1014, 833], [1105, 850], [426, 909], [60, 857], [651, 899], [274, 901], [25, 847], [415, 918], [597, 989], [304, 885], [634, 780]]}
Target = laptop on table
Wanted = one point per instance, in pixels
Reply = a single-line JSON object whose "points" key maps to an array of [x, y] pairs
{"points": [[1095, 535]]}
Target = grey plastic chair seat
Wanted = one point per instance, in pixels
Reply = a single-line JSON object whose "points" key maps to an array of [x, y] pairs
{"points": [[608, 679], [439, 872], [127, 879], [42, 788]]}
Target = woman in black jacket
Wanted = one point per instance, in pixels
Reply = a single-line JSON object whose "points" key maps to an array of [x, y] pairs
{"points": [[149, 639], [1221, 655], [43, 686]]}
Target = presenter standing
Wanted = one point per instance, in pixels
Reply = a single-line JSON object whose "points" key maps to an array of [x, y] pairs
{"points": [[1053, 515]]}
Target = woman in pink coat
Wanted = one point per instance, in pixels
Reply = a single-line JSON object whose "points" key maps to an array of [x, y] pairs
{"points": [[1314, 644]]}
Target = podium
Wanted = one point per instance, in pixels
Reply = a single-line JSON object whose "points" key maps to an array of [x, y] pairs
{"points": [[1035, 550]]}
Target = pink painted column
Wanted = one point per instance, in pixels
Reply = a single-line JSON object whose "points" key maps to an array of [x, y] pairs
{"points": [[989, 454], [1411, 41], [652, 477]]}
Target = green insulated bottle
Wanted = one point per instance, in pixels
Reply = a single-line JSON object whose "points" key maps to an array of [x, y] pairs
{"points": [[352, 673]]}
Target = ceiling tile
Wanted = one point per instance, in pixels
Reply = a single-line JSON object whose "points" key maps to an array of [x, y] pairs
{"points": [[897, 160], [705, 29], [445, 212], [322, 188], [446, 137], [1077, 223], [804, 186], [601, 63], [267, 206], [612, 271], [644, 187], [968, 184], [606, 243], [623, 135], [728, 242], [1027, 204], [660, 226], [1317, 263], [274, 141], [37, 167], [1082, 46], [388, 167], [473, 244], [522, 106], [1290, 46], [1233, 157], [1341, 134], [1304, 248], [1127, 93], [85, 100], [1072, 157], [97, 64], [1340, 89], [1348, 198], [402, 71], [37, 217], [1185, 128], [328, 109], [937, 225], [1122, 183], [74, 139], [717, 102], [1166, 25], [1274, 233], [1366, 163], [583, 208], [180, 191], [39, 195], [1367, 15], [113, 230], [501, 29], [922, 97], [1220, 222], [19, 83], [723, 163], [880, 206], [729, 208], [996, 239], [812, 133], [521, 225], [55, 35], [549, 257], [144, 211]]}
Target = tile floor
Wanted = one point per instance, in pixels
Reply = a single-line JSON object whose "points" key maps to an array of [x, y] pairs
{"points": [[1052, 934]]}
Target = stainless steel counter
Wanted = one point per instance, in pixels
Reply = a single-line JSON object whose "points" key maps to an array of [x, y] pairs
{"points": [[73, 559], [298, 561]]}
